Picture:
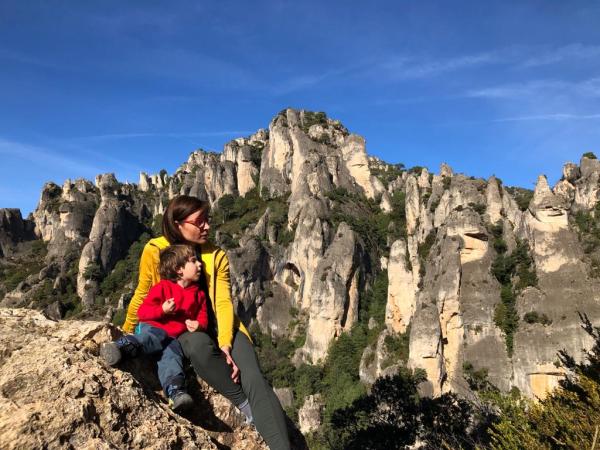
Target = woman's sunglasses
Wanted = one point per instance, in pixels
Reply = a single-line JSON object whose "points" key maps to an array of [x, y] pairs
{"points": [[200, 221]]}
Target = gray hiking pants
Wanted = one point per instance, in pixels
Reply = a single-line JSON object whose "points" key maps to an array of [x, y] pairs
{"points": [[210, 365]]}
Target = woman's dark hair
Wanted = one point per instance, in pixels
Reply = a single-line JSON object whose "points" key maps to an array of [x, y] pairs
{"points": [[177, 210], [172, 259]]}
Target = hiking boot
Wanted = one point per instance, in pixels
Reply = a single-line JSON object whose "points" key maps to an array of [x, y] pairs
{"points": [[113, 352], [179, 399]]}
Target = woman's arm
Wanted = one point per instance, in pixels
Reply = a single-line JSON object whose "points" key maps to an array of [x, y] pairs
{"points": [[223, 304], [147, 267], [224, 311]]}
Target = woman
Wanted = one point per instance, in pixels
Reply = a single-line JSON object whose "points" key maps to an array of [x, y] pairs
{"points": [[186, 222]]}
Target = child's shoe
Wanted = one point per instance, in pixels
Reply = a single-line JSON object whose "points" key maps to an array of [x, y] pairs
{"points": [[179, 399], [113, 352]]}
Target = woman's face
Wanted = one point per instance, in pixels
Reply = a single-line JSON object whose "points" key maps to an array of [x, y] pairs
{"points": [[194, 228]]}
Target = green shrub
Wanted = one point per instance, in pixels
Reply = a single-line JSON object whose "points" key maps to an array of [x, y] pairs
{"points": [[373, 302], [584, 221], [394, 415], [232, 215], [397, 348], [500, 245], [479, 208], [341, 383], [313, 118], [425, 247], [285, 236], [275, 358], [118, 317], [589, 228], [522, 196], [476, 379], [53, 197], [535, 317], [307, 381], [93, 271], [365, 217], [388, 173], [506, 269], [12, 272], [567, 418], [256, 149], [589, 155], [416, 170], [446, 182], [156, 228], [505, 316], [434, 205]]}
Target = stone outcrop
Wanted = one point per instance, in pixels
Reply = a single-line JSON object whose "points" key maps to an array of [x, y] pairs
{"points": [[114, 229], [376, 360], [13, 230], [55, 393], [402, 289], [205, 176], [65, 213], [548, 226], [246, 154], [334, 295], [310, 414], [586, 186], [493, 198]]}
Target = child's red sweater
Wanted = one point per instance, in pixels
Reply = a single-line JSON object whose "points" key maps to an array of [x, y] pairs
{"points": [[190, 303]]}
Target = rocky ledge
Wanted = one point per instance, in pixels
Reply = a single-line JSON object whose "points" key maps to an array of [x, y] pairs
{"points": [[55, 393]]}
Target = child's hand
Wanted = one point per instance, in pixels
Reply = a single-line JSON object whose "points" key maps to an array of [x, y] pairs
{"points": [[192, 325], [169, 306]]}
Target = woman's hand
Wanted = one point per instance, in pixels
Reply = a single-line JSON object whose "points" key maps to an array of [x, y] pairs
{"points": [[235, 371]]}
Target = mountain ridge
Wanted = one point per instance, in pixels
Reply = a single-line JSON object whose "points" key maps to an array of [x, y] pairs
{"points": [[476, 273]]}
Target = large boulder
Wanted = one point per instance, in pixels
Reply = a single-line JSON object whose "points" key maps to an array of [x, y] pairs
{"points": [[56, 393]]}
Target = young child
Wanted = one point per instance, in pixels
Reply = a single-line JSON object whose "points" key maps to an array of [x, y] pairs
{"points": [[175, 305]]}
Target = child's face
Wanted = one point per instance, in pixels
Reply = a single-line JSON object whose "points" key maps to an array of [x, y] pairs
{"points": [[191, 270]]}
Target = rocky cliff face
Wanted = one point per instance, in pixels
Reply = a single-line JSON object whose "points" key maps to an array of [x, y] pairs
{"points": [[457, 318], [13, 230], [55, 393], [115, 227], [480, 276]]}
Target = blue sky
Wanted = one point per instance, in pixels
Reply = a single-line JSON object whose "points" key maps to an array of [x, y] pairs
{"points": [[509, 88]]}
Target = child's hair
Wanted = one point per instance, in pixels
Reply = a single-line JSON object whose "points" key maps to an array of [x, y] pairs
{"points": [[172, 259]]}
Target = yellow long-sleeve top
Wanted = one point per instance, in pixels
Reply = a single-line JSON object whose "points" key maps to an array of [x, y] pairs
{"points": [[215, 266]]}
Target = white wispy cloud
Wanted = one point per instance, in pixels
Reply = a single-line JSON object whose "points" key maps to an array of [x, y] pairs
{"points": [[23, 58], [134, 135], [297, 83], [561, 54], [414, 68], [411, 67], [45, 157], [543, 117], [519, 90], [585, 88]]}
